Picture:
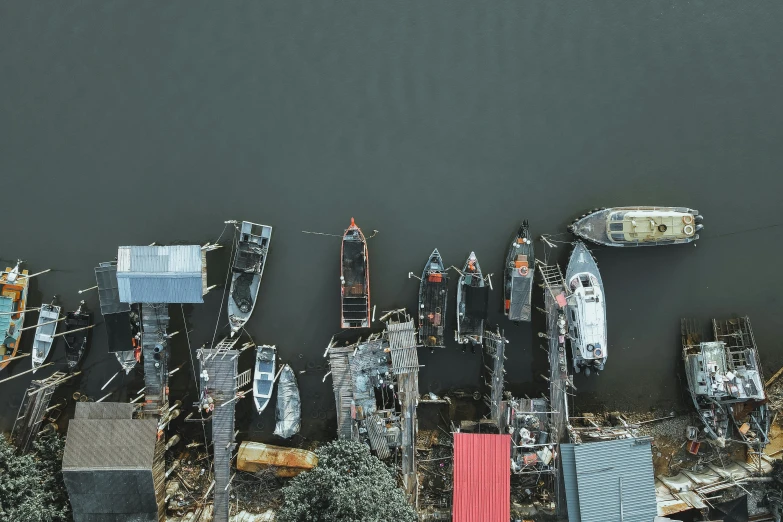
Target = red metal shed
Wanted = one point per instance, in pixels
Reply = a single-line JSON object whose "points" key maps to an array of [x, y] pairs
{"points": [[482, 478]]}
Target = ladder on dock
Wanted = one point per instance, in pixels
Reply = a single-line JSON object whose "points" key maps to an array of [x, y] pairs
{"points": [[33, 410], [224, 347], [243, 379], [553, 278]]}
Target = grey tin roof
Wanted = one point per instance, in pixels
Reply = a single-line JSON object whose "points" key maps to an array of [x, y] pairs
{"points": [[104, 410], [604, 477], [160, 274], [110, 444], [108, 292]]}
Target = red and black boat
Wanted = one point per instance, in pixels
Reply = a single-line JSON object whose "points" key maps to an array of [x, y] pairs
{"points": [[354, 279]]}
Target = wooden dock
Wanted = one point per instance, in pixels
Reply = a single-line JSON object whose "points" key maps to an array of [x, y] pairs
{"points": [[33, 410], [342, 384], [495, 348], [154, 347], [220, 364]]}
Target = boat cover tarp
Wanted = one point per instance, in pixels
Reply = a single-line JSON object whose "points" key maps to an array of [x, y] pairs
{"points": [[735, 510], [241, 293], [289, 405], [476, 301], [520, 298]]}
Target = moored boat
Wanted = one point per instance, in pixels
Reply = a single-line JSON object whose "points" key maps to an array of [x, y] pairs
{"points": [[586, 310], [264, 376], [48, 317], [472, 303], [519, 273], [247, 270], [77, 324], [638, 226], [433, 296], [354, 279], [288, 412], [13, 299]]}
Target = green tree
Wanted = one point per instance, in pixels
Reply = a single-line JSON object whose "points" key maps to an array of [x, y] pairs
{"points": [[348, 485], [31, 486]]}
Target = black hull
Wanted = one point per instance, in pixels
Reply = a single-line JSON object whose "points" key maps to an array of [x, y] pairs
{"points": [[76, 343], [433, 296], [518, 276]]}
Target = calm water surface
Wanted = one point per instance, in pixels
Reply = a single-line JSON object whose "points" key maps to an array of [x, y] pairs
{"points": [[439, 124]]}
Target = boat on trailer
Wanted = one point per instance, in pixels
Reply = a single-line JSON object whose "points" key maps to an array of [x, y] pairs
{"points": [[433, 296], [48, 317], [247, 270], [288, 412], [638, 226], [354, 279], [472, 303], [13, 299], [586, 310], [519, 273], [264, 376], [76, 324]]}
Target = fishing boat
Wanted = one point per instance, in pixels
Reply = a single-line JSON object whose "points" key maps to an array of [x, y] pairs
{"points": [[519, 273], [354, 279], [264, 376], [289, 405], [433, 295], [638, 226], [76, 328], [472, 302], [13, 299], [48, 317], [247, 269], [586, 309]]}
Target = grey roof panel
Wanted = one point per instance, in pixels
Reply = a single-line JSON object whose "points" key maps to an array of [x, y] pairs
{"points": [[160, 274], [568, 464], [104, 410], [611, 476], [108, 291], [101, 444]]}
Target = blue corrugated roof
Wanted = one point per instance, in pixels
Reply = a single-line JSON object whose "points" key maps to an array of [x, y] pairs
{"points": [[608, 478], [165, 274]]}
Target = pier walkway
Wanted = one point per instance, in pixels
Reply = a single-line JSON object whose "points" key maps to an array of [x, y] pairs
{"points": [[219, 385], [495, 347], [32, 411], [154, 347]]}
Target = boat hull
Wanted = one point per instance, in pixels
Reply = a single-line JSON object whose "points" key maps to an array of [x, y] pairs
{"points": [[13, 297], [638, 226], [433, 297], [246, 272], [472, 302], [518, 276], [42, 343], [354, 279], [586, 311], [264, 376], [76, 342]]}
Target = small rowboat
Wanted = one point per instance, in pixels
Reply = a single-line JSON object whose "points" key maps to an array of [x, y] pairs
{"points": [[47, 325]]}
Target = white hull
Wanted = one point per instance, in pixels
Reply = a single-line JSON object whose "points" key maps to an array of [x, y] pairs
{"points": [[264, 376], [42, 344]]}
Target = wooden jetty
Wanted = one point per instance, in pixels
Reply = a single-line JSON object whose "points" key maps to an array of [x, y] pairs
{"points": [[401, 333], [342, 384], [494, 348], [34, 408], [154, 346], [220, 388]]}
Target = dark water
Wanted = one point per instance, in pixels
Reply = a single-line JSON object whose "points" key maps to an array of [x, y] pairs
{"points": [[440, 124]]}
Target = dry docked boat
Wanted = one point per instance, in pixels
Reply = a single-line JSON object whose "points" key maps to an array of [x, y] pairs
{"points": [[433, 295], [264, 376], [48, 317], [519, 273], [472, 302], [638, 226], [586, 311], [77, 324], [13, 299], [248, 267], [354, 279]]}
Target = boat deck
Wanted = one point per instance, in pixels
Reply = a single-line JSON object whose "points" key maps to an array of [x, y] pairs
{"points": [[355, 303]]}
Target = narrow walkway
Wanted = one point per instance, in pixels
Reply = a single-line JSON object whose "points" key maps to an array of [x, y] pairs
{"points": [[33, 410], [220, 365], [154, 347]]}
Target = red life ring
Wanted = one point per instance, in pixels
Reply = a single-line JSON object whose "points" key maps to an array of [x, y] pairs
{"points": [[522, 271]]}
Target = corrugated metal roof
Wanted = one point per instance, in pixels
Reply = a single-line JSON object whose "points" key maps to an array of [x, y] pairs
{"points": [[612, 478], [482, 478], [108, 293], [110, 444], [104, 410], [160, 274]]}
